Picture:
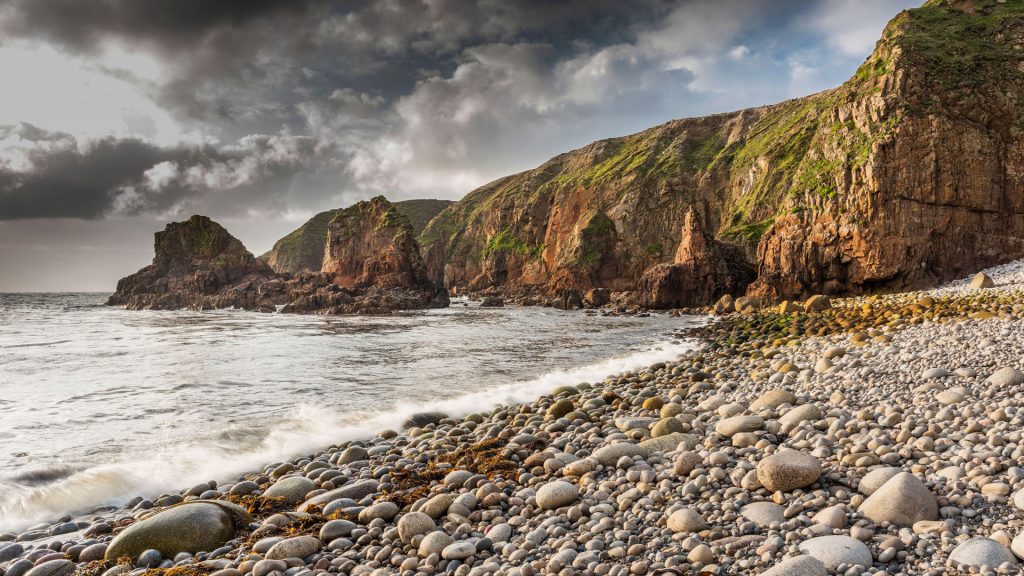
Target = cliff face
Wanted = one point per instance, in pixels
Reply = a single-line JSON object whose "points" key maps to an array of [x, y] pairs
{"points": [[904, 176], [373, 265], [371, 244], [197, 264], [303, 249], [917, 167]]}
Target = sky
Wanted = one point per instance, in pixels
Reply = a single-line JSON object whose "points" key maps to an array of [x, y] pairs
{"points": [[118, 116]]}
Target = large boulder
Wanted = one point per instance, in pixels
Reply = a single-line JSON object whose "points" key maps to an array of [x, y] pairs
{"points": [[371, 244], [203, 525], [903, 500], [833, 551], [798, 566], [979, 552], [788, 470]]}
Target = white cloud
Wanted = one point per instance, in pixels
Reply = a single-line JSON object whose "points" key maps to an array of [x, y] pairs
{"points": [[55, 91]]}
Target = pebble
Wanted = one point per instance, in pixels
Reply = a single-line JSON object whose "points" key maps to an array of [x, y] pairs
{"points": [[835, 551], [981, 552], [686, 520], [557, 494], [787, 470]]}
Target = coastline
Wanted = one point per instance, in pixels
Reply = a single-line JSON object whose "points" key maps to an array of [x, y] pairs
{"points": [[663, 467]]}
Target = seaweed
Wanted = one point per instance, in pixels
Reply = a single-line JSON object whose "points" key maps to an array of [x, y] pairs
{"points": [[489, 457], [259, 506]]}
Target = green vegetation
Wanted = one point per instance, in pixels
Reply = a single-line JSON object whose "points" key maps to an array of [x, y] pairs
{"points": [[748, 233], [506, 241], [791, 157], [420, 212], [704, 152], [597, 237], [874, 67], [963, 49], [303, 248]]}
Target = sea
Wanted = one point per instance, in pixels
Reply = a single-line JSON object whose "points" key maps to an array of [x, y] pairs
{"points": [[99, 404]]}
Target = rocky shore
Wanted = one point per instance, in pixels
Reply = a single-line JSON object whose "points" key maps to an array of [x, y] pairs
{"points": [[874, 435]]}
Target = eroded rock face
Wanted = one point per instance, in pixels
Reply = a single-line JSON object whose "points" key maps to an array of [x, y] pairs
{"points": [[371, 245], [864, 187], [704, 269], [197, 264], [373, 266]]}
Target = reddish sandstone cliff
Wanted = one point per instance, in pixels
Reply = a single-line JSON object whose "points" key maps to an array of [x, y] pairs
{"points": [[906, 175]]}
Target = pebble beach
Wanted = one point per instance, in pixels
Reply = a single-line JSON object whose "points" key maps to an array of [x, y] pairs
{"points": [[869, 435]]}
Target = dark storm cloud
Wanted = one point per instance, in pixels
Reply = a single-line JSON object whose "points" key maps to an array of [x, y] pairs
{"points": [[85, 24], [309, 104], [52, 174]]}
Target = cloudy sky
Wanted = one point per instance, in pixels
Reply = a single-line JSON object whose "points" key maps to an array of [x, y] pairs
{"points": [[117, 116]]}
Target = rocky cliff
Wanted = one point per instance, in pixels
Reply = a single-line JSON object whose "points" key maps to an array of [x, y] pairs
{"points": [[906, 175], [371, 244], [197, 264], [303, 248], [373, 265]]}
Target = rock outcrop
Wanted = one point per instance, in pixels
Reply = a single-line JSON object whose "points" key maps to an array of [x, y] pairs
{"points": [[199, 265], [373, 266], [302, 250], [704, 269], [371, 245], [860, 188]]}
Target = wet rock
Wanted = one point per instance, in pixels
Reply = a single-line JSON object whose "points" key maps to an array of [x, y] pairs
{"points": [[335, 529], [293, 489], [423, 419], [354, 490], [190, 527], [53, 568]]}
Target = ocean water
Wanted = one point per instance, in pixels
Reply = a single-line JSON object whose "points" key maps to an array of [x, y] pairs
{"points": [[99, 405]]}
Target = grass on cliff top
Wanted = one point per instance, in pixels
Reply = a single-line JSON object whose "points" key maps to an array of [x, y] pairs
{"points": [[420, 212], [963, 49], [384, 213]]}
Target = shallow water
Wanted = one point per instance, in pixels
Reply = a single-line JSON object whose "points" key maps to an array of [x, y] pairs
{"points": [[98, 405]]}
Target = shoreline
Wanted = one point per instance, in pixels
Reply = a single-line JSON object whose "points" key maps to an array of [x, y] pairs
{"points": [[309, 426], [667, 463]]}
